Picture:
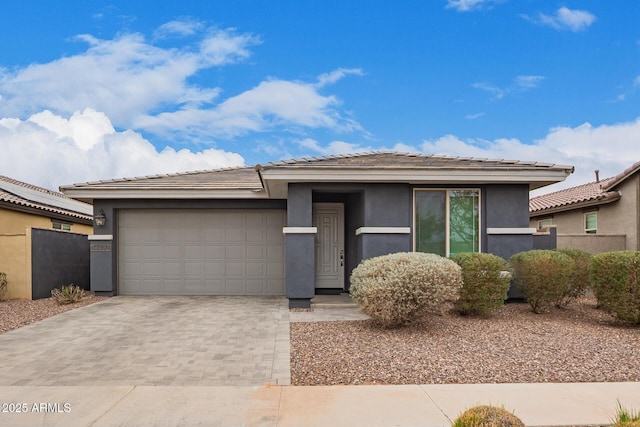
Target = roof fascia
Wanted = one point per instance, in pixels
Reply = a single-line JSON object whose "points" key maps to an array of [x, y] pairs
{"points": [[532, 177]]}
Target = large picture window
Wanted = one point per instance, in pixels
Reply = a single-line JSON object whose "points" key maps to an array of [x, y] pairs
{"points": [[447, 221]]}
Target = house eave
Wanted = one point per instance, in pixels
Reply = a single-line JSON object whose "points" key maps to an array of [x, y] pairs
{"points": [[612, 197], [90, 194], [276, 180]]}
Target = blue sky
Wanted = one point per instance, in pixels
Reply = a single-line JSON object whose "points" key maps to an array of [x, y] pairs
{"points": [[104, 89]]}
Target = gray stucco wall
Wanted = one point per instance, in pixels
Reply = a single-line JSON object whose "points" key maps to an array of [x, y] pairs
{"points": [[506, 206], [366, 205], [57, 259], [104, 261]]}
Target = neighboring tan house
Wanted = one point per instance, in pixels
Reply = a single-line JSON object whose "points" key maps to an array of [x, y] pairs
{"points": [[600, 216], [299, 227], [42, 238]]}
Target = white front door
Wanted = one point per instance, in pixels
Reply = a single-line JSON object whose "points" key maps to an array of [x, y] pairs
{"points": [[329, 218]]}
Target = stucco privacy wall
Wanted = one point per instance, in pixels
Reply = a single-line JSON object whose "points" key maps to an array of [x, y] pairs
{"points": [[39, 260], [16, 264], [58, 259]]}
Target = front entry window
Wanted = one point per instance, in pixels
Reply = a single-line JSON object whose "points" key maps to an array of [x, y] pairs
{"points": [[447, 221]]}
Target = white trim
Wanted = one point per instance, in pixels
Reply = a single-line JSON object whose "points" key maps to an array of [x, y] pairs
{"points": [[511, 230], [383, 230], [299, 230], [100, 237]]}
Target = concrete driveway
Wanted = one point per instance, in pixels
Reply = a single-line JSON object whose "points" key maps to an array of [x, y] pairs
{"points": [[174, 341]]}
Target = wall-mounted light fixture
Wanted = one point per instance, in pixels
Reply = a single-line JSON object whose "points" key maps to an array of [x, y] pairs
{"points": [[100, 219]]}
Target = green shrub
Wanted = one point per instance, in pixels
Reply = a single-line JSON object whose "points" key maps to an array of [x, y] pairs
{"points": [[398, 288], [484, 283], [579, 281], [542, 276], [67, 294], [487, 416], [615, 277], [3, 286], [626, 418]]}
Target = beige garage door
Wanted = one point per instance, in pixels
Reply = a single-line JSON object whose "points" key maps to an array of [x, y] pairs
{"points": [[201, 252]]}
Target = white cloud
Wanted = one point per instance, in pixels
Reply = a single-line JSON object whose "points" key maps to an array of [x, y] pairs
{"points": [[180, 28], [144, 87], [50, 150], [494, 90], [565, 19], [272, 104], [473, 116], [527, 82], [521, 83], [335, 75], [467, 5], [334, 147], [609, 148]]}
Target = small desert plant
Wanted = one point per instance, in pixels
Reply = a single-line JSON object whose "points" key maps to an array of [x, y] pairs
{"points": [[542, 276], [3, 286], [615, 277], [68, 294], [579, 281], [487, 416], [484, 282], [397, 288], [626, 418]]}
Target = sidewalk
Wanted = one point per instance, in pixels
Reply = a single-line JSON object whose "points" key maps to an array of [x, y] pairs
{"points": [[290, 406]]}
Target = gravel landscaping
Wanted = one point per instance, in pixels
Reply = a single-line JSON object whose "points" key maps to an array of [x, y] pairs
{"points": [[20, 312], [577, 344]]}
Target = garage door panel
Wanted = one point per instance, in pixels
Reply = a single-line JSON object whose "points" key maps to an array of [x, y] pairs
{"points": [[235, 235], [213, 235], [172, 269], [193, 252], [256, 252], [256, 269], [235, 253], [201, 252]]}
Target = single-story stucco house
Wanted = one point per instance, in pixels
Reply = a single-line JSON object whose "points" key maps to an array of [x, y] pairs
{"points": [[599, 216], [299, 227]]}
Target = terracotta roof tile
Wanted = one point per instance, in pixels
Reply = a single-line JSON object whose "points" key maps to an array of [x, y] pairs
{"points": [[591, 193], [42, 199]]}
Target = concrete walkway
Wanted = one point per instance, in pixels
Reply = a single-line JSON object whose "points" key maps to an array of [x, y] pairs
{"points": [[289, 406]]}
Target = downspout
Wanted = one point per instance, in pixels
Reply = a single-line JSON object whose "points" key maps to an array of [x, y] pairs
{"points": [[259, 169]]}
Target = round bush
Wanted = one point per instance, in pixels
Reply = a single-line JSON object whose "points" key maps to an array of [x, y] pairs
{"points": [[397, 288], [542, 276], [487, 416], [484, 282], [615, 277], [579, 281]]}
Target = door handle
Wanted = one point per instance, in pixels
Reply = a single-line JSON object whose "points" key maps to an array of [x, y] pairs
{"points": [[341, 258]]}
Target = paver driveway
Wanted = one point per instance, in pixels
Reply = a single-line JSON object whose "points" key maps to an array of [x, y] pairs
{"points": [[154, 341]]}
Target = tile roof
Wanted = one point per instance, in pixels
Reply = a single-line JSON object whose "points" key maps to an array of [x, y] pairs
{"points": [[18, 193], [396, 160], [592, 193], [248, 178], [240, 178]]}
